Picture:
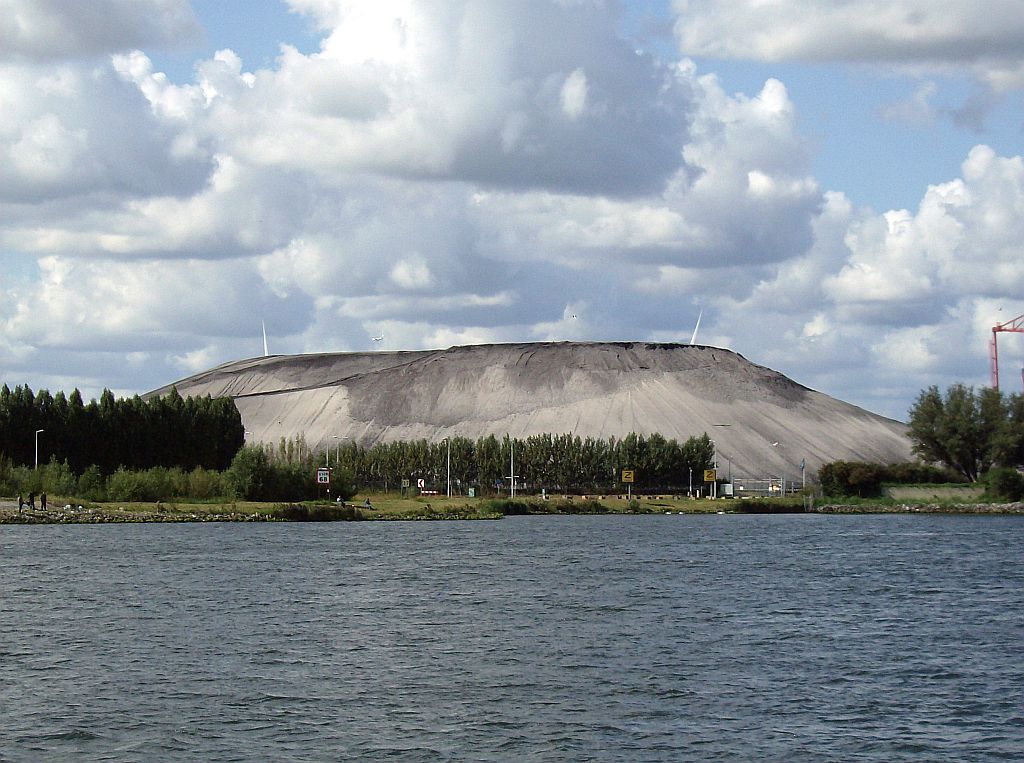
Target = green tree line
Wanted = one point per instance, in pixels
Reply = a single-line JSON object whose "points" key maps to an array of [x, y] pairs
{"points": [[165, 431], [559, 463]]}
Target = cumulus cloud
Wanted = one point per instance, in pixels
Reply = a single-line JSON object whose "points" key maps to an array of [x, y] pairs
{"points": [[526, 95], [74, 129], [744, 196], [943, 35], [47, 30], [897, 300], [965, 236], [454, 172]]}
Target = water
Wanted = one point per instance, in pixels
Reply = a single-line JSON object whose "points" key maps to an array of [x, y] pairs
{"points": [[664, 638]]}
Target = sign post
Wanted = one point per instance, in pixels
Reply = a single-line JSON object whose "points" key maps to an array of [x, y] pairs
{"points": [[323, 477], [711, 475], [628, 476]]}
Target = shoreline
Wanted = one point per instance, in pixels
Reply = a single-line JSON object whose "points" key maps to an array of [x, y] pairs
{"points": [[172, 513], [1008, 509]]}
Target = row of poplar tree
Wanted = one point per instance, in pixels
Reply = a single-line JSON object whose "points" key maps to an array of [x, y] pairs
{"points": [[111, 432], [563, 462]]}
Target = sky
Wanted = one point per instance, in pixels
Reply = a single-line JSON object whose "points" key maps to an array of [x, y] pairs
{"points": [[837, 189]]}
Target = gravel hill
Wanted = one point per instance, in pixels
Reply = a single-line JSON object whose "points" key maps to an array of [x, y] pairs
{"points": [[760, 420]]}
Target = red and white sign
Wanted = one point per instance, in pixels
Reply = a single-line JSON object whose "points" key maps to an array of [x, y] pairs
{"points": [[421, 483]]}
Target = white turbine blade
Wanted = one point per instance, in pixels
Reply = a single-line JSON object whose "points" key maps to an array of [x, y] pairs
{"points": [[693, 339], [266, 351]]}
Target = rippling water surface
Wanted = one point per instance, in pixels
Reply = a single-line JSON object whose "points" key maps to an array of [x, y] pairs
{"points": [[657, 638]]}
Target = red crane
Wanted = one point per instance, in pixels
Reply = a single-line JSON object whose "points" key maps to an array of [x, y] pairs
{"points": [[1016, 326]]}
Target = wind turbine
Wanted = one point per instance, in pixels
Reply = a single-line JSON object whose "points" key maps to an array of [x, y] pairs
{"points": [[693, 339], [266, 351]]}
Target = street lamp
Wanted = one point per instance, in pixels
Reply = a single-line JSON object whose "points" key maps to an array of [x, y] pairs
{"points": [[38, 432], [714, 465], [715, 451], [512, 466], [449, 441], [769, 476]]}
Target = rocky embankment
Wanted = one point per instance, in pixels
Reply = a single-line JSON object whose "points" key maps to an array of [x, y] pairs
{"points": [[10, 515], [922, 508]]}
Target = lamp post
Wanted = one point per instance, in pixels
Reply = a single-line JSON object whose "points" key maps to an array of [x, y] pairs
{"points": [[512, 466], [714, 465], [720, 426], [38, 432], [449, 441], [769, 476]]}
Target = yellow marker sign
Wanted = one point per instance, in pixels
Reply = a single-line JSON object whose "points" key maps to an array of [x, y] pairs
{"points": [[710, 475], [627, 475]]}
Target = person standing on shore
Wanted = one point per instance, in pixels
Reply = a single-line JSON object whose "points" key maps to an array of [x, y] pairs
{"points": [[32, 501], [21, 503], [42, 501]]}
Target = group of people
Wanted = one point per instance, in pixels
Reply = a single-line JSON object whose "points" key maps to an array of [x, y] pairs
{"points": [[31, 502]]}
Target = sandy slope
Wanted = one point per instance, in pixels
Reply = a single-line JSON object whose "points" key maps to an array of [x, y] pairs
{"points": [[600, 389]]}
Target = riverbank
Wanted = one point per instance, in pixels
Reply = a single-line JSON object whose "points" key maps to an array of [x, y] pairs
{"points": [[923, 508], [395, 508], [380, 508]]}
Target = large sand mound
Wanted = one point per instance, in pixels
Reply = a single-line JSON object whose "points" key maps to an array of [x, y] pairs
{"points": [[760, 420]]}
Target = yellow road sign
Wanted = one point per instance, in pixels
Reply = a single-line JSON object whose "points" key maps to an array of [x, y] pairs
{"points": [[627, 475], [710, 475]]}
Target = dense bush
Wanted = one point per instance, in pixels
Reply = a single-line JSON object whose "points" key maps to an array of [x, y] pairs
{"points": [[254, 477], [918, 474], [91, 485], [851, 478], [588, 506], [248, 474], [205, 484], [510, 507], [1005, 484], [317, 513], [864, 480], [788, 505], [156, 484]]}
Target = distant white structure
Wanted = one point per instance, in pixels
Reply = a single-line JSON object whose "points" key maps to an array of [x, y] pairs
{"points": [[693, 339], [266, 350]]}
